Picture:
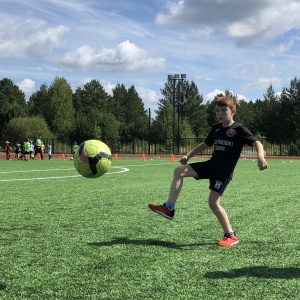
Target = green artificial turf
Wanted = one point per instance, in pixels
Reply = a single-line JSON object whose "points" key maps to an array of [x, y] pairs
{"points": [[63, 236]]}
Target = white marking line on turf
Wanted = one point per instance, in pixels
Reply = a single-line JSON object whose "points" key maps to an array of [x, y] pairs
{"points": [[29, 171], [61, 177], [122, 171], [69, 169], [147, 165]]}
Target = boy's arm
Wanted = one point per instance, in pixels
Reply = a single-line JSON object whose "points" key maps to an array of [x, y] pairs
{"points": [[201, 147], [261, 162]]}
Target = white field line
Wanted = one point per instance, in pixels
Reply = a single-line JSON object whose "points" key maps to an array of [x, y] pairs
{"points": [[123, 169], [69, 169], [29, 171]]}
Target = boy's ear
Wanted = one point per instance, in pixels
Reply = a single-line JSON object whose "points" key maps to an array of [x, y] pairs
{"points": [[233, 111]]}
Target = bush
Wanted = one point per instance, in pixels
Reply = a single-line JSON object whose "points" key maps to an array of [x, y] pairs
{"points": [[21, 128]]}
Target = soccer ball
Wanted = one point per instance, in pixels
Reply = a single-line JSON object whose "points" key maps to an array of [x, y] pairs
{"points": [[92, 159]]}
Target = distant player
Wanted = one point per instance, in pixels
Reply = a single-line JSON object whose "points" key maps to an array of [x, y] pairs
{"points": [[50, 151], [75, 147], [38, 147], [228, 138], [7, 150], [31, 153], [26, 150], [17, 150]]}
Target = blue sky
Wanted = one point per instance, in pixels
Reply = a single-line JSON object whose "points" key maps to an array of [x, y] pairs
{"points": [[242, 46]]}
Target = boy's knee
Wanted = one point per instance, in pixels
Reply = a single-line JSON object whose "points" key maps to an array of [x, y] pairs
{"points": [[214, 201], [213, 206], [176, 171], [179, 171]]}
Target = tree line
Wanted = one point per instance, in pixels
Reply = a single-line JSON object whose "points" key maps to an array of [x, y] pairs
{"points": [[56, 111]]}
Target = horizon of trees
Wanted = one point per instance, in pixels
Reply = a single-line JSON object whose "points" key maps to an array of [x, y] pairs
{"points": [[56, 111]]}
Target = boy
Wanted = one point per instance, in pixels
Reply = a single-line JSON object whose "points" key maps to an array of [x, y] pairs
{"points": [[228, 138]]}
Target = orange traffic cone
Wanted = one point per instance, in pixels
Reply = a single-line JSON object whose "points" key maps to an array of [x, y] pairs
{"points": [[116, 157], [143, 157], [63, 157], [39, 156], [172, 157]]}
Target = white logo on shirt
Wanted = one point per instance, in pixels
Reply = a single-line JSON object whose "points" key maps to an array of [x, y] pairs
{"points": [[218, 184]]}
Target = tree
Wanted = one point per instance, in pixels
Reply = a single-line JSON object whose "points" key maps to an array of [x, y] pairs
{"points": [[12, 102], [272, 122], [128, 108], [94, 118], [119, 99], [110, 126], [289, 111], [60, 116], [21, 128], [186, 104], [162, 128], [136, 116], [38, 103], [245, 115], [85, 128], [193, 110], [91, 97]]}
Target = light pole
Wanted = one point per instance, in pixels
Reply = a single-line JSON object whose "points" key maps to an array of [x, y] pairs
{"points": [[174, 78]]}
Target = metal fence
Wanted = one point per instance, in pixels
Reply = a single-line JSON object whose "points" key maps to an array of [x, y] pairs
{"points": [[186, 145], [169, 146]]}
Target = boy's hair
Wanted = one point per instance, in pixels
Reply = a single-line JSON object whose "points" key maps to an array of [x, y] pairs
{"points": [[226, 101]]}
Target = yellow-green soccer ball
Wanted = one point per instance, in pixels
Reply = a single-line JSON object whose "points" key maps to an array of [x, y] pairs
{"points": [[92, 159]]}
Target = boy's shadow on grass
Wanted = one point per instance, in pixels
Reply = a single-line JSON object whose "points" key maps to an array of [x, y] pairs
{"points": [[149, 242], [258, 271]]}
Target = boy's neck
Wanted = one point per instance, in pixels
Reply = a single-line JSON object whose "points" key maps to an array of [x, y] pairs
{"points": [[227, 123]]}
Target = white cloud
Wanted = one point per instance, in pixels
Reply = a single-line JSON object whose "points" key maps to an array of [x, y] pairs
{"points": [[211, 96], [108, 86], [29, 38], [114, 42], [246, 21], [27, 86], [126, 57], [263, 83], [286, 46], [254, 68], [149, 97]]}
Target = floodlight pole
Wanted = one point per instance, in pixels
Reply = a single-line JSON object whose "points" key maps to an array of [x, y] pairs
{"points": [[149, 132], [174, 78]]}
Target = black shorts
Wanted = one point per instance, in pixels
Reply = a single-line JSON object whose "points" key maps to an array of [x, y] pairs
{"points": [[205, 170]]}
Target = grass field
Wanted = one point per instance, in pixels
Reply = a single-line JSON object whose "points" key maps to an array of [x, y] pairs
{"points": [[66, 237]]}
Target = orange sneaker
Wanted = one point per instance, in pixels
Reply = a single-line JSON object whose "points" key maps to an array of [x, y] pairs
{"points": [[229, 240], [162, 210]]}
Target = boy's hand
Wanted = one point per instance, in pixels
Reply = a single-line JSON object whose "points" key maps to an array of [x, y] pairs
{"points": [[183, 160], [262, 164]]}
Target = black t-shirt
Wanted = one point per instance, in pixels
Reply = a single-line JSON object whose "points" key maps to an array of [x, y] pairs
{"points": [[228, 144]]}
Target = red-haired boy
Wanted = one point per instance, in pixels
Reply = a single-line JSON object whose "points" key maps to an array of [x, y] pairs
{"points": [[228, 138]]}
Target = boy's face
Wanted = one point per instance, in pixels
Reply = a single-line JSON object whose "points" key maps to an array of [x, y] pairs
{"points": [[224, 114]]}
